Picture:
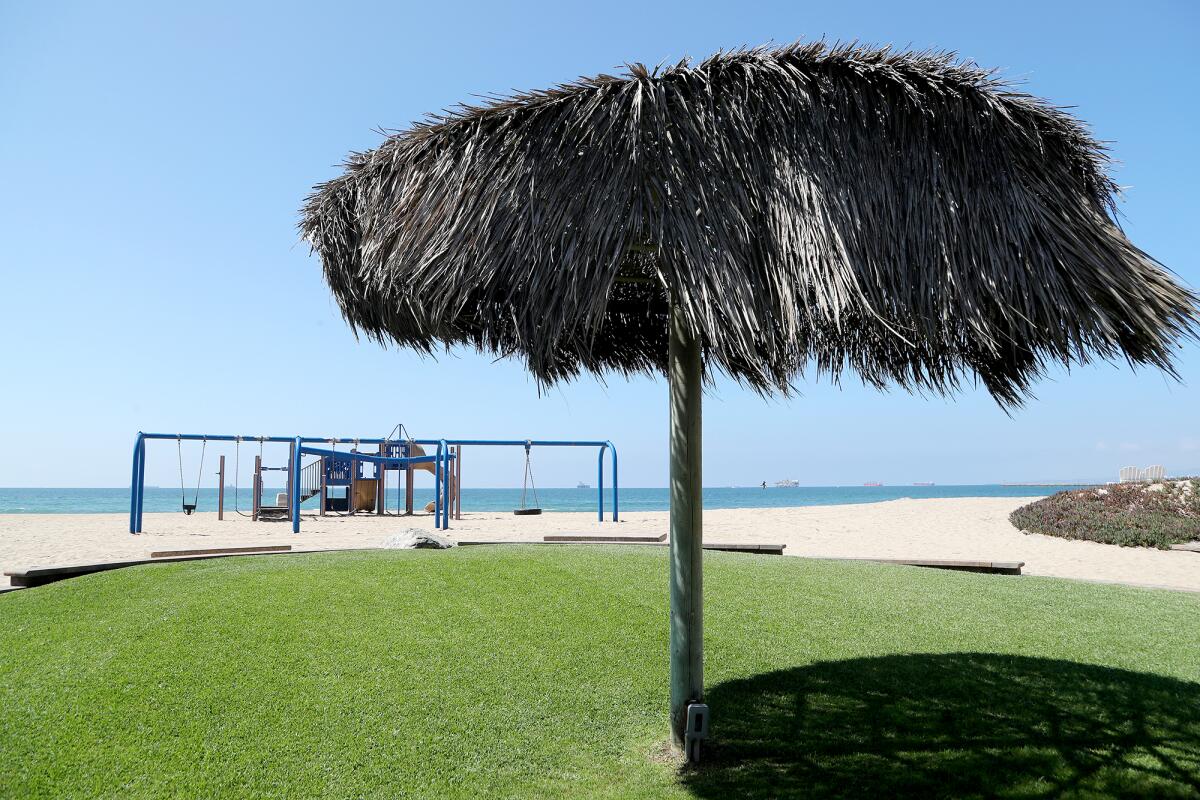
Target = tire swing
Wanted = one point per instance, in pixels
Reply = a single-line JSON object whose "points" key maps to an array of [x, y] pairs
{"points": [[526, 485]]}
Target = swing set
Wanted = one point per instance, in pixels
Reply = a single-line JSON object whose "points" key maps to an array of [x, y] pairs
{"points": [[333, 469]]}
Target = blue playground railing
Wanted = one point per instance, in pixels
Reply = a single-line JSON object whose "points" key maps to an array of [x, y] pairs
{"points": [[440, 460]]}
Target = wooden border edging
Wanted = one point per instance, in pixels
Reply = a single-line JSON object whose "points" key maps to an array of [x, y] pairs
{"points": [[40, 576], [992, 567], [766, 549], [216, 551], [579, 537]]}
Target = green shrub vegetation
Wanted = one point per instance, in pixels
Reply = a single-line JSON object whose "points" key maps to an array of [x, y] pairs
{"points": [[1130, 514], [542, 672]]}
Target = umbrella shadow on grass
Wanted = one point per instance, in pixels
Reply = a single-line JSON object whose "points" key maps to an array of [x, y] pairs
{"points": [[951, 725]]}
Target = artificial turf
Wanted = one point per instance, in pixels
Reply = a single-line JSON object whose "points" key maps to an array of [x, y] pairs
{"points": [[541, 671]]}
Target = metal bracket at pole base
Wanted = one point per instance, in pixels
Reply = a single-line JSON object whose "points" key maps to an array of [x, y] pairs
{"points": [[696, 731]]}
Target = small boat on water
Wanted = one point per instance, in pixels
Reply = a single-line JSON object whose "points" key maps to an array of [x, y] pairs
{"points": [[924, 483], [583, 485], [872, 483], [787, 483]]}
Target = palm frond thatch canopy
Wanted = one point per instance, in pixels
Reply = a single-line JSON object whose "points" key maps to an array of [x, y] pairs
{"points": [[905, 216]]}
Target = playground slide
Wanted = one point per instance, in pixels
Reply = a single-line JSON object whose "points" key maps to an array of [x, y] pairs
{"points": [[416, 450]]}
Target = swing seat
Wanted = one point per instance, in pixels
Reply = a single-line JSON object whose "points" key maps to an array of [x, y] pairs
{"points": [[527, 512], [188, 508]]}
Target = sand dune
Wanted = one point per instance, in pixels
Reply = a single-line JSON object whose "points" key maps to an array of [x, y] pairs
{"points": [[947, 528]]}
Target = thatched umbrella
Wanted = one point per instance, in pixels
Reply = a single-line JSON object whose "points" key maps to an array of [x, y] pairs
{"points": [[903, 216]]}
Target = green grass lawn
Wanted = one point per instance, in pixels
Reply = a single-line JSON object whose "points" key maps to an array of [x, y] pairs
{"points": [[541, 671]]}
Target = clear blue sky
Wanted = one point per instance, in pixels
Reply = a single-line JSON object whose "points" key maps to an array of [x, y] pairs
{"points": [[153, 158]]}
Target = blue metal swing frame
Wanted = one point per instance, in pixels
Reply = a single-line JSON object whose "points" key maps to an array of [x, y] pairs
{"points": [[305, 445]]}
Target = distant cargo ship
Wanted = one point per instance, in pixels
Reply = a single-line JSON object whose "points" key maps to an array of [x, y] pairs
{"points": [[924, 483], [582, 485], [787, 483], [872, 483]]}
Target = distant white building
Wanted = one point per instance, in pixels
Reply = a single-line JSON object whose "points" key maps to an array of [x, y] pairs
{"points": [[1151, 473]]}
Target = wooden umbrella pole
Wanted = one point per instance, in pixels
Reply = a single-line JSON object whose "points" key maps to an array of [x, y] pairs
{"points": [[687, 599]]}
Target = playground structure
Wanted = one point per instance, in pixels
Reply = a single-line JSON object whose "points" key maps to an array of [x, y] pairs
{"points": [[362, 476]]}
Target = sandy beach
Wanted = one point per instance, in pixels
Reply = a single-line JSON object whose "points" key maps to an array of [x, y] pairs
{"points": [[947, 528]]}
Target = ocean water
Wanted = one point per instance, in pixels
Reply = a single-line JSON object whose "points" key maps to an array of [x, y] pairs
{"points": [[116, 501]]}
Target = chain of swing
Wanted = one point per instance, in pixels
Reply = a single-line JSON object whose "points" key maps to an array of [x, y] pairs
{"points": [[237, 468], [189, 508]]}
